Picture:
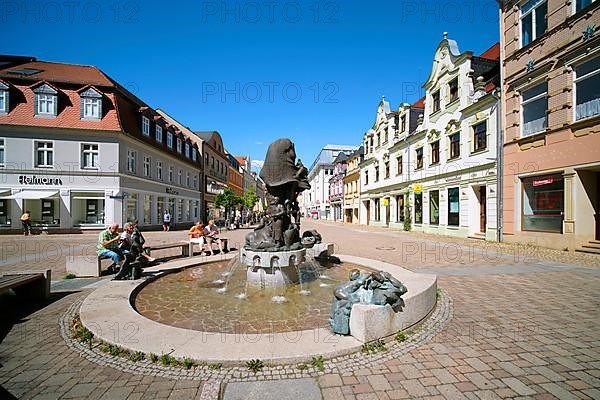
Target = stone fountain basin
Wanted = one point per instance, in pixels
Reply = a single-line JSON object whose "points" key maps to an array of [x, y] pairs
{"points": [[108, 312]]}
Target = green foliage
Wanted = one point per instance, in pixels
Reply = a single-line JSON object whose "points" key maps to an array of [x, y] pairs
{"points": [[228, 199], [165, 359], [249, 199], [70, 276], [215, 367], [153, 357], [400, 337], [80, 332], [318, 363], [255, 365], [188, 363], [438, 294], [374, 347], [407, 219], [137, 356]]}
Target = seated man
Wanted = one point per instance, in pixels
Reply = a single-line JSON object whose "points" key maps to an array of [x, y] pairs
{"points": [[211, 234], [108, 245]]}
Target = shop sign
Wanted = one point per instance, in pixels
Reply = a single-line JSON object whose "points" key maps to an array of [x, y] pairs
{"points": [[417, 188], [386, 201], [541, 182], [172, 191], [39, 180]]}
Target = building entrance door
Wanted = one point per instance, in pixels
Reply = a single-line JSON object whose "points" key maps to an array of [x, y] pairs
{"points": [[368, 204], [482, 209], [387, 212]]}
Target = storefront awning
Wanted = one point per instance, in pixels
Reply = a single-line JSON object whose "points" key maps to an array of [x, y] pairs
{"points": [[32, 194]]}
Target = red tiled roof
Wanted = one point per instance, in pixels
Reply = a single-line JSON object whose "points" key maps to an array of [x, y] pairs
{"points": [[493, 53], [420, 103], [60, 73]]}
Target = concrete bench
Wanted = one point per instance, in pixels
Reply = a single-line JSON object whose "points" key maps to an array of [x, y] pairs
{"points": [[34, 284], [86, 265], [202, 242], [185, 248]]}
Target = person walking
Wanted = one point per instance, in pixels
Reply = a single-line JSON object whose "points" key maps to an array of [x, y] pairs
{"points": [[26, 222], [167, 221]]}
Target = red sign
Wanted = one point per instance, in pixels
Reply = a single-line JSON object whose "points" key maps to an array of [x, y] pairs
{"points": [[541, 182]]}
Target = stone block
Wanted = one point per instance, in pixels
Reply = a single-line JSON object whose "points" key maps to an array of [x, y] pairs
{"points": [[81, 266]]}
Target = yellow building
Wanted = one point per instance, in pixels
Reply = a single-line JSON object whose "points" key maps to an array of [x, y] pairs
{"points": [[352, 187]]}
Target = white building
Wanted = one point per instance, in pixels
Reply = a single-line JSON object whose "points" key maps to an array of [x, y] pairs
{"points": [[79, 152], [316, 200], [435, 162]]}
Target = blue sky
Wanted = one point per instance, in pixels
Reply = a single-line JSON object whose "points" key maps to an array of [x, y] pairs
{"points": [[313, 71]]}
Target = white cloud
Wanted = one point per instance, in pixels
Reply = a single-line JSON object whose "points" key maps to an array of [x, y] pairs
{"points": [[257, 165]]}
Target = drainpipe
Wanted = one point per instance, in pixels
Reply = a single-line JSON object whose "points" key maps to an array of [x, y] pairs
{"points": [[500, 138]]}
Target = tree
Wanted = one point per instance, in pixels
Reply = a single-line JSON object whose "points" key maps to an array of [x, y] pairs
{"points": [[228, 200], [250, 199]]}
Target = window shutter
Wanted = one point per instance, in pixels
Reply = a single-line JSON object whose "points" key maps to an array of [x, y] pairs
{"points": [[35, 104], [80, 107]]}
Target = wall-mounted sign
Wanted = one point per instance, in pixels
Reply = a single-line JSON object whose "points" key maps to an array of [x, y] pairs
{"points": [[39, 180], [386, 201], [417, 188], [541, 182], [172, 191]]}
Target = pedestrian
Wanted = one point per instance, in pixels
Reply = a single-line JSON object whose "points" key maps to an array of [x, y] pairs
{"points": [[166, 221], [26, 222]]}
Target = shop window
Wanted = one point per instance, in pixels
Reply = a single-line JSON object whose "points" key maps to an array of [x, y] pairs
{"points": [[480, 136], [400, 208], [44, 154], [455, 145], [179, 210], [453, 207], [418, 208], [87, 208], [4, 212], [147, 209], [160, 208], [543, 203], [132, 207], [377, 210], [89, 156], [587, 89], [434, 207], [533, 20], [435, 152], [534, 104], [43, 211], [419, 152], [171, 207]]}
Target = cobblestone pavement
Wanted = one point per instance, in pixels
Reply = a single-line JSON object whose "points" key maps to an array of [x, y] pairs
{"points": [[526, 324]]}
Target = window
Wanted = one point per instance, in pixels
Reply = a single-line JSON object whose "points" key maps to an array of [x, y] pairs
{"points": [[434, 207], [187, 150], [455, 145], [399, 165], [171, 177], [131, 161], [195, 181], [159, 170], [187, 179], [44, 154], [387, 169], [435, 152], [132, 207], [180, 177], [377, 173], [2, 153], [159, 136], [480, 136], [212, 162], [587, 89], [403, 123], [147, 166], [533, 20], [581, 4], [91, 104], [377, 210], [206, 159], [366, 177], [453, 87], [45, 101], [169, 140], [419, 152], [89, 156], [543, 203], [453, 207], [3, 98], [400, 208], [179, 145], [534, 103], [194, 154], [418, 208], [147, 209], [145, 126], [435, 102]]}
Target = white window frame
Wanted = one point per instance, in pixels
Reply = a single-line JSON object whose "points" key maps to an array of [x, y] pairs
{"points": [[46, 151], [195, 181], [171, 174], [159, 134], [169, 139], [533, 22], [194, 155], [523, 103], [180, 177], [574, 9], [94, 105], [179, 145], [147, 167], [145, 126], [187, 150], [577, 79], [131, 161], [159, 175], [92, 152], [4, 99], [2, 152], [49, 101], [187, 179]]}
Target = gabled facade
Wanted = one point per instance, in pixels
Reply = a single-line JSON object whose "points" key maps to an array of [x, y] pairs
{"points": [[352, 186], [551, 103], [336, 187]]}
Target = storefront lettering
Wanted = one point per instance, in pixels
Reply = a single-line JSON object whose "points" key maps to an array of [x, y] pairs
{"points": [[541, 182], [39, 180], [172, 191]]}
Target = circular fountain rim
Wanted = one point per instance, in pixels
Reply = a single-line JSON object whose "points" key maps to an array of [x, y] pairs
{"points": [[111, 305]]}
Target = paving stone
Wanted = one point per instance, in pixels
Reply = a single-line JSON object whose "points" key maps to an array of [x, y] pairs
{"points": [[273, 390], [519, 386]]}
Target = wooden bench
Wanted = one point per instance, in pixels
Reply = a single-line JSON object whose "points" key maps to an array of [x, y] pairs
{"points": [[185, 248], [34, 284]]}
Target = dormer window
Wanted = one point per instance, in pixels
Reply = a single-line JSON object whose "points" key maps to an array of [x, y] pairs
{"points": [[170, 140], [145, 126], [194, 154], [46, 101], [3, 98], [179, 145], [91, 104], [187, 150], [159, 134]]}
